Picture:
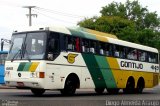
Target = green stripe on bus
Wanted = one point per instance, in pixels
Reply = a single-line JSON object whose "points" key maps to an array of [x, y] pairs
{"points": [[94, 70], [106, 71], [21, 66], [27, 66], [79, 33], [76, 33], [89, 36]]}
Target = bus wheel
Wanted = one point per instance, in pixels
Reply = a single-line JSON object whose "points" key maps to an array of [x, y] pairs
{"points": [[129, 86], [113, 90], [140, 86], [70, 87], [99, 90], [37, 92]]}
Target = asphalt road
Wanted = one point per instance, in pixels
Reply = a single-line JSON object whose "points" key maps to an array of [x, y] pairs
{"points": [[17, 97]]}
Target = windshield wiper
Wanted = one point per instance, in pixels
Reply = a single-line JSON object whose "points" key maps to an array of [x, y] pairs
{"points": [[19, 52], [22, 52]]}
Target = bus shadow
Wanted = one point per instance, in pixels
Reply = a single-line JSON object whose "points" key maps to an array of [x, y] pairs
{"points": [[86, 94]]}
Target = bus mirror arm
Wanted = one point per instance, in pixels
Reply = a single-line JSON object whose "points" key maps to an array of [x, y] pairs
{"points": [[2, 42]]}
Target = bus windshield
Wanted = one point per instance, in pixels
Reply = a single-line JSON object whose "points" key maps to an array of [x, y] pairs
{"points": [[27, 46]]}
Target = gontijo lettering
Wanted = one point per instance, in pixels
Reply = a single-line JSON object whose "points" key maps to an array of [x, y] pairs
{"points": [[131, 65]]}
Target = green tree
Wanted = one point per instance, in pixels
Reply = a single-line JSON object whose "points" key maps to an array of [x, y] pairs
{"points": [[129, 21]]}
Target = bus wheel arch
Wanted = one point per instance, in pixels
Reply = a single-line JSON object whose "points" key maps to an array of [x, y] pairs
{"points": [[72, 82], [130, 85], [140, 85]]}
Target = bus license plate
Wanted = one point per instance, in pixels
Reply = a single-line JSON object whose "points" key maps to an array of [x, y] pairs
{"points": [[20, 84]]}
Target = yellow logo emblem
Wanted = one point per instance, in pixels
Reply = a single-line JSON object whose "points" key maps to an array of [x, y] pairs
{"points": [[71, 57]]}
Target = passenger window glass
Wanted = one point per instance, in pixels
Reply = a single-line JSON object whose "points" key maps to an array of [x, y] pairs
{"points": [[116, 51], [85, 45], [110, 48], [73, 44], [102, 48], [93, 47], [77, 44], [153, 58], [132, 54], [122, 53], [54, 43], [142, 56]]}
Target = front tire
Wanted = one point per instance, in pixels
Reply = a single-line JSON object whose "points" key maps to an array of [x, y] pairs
{"points": [[70, 87], [37, 92]]}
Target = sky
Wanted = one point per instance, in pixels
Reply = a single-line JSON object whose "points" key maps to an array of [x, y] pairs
{"points": [[54, 12]]}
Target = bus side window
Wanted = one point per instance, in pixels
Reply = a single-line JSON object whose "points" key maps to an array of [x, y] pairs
{"points": [[104, 49], [93, 47], [63, 42], [132, 54], [153, 58], [122, 52], [101, 48], [73, 44], [85, 45], [70, 45], [110, 49], [77, 44], [54, 43], [142, 56], [116, 50]]}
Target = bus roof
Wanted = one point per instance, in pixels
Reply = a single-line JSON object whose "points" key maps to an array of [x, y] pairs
{"points": [[90, 34], [132, 45]]}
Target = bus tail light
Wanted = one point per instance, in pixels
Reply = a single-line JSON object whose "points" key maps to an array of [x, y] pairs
{"points": [[41, 74]]}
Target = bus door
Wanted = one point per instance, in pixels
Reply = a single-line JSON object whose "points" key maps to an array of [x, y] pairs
{"points": [[52, 53]]}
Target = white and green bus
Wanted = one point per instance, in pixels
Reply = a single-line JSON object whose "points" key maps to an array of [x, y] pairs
{"points": [[66, 59]]}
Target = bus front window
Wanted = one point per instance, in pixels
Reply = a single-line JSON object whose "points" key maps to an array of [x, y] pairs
{"points": [[17, 41], [28, 46], [35, 45]]}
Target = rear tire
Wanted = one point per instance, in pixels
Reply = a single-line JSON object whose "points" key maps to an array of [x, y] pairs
{"points": [[139, 89], [99, 90], [70, 87], [37, 92], [140, 86]]}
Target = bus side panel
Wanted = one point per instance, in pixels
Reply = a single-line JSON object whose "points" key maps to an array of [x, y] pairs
{"points": [[121, 75], [57, 74], [58, 70]]}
